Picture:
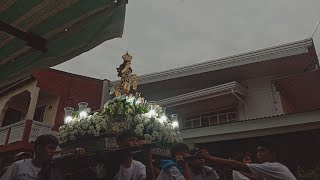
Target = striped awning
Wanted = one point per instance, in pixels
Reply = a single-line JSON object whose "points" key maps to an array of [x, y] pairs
{"points": [[70, 27]]}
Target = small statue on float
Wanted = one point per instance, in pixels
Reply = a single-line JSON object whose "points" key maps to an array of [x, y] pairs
{"points": [[124, 71]]}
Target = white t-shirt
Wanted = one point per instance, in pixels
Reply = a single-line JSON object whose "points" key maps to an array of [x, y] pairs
{"points": [[21, 170], [236, 175], [271, 171], [137, 171], [172, 173], [207, 173]]}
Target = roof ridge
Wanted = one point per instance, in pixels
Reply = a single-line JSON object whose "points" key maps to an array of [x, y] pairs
{"points": [[288, 47]]}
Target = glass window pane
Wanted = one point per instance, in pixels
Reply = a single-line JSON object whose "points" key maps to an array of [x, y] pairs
{"points": [[196, 123], [222, 118], [187, 124], [213, 120], [205, 121], [232, 116]]}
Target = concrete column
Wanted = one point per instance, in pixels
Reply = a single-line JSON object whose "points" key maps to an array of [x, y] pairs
{"points": [[34, 93], [105, 93], [3, 109]]}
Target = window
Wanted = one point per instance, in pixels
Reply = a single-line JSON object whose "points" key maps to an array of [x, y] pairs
{"points": [[39, 113], [187, 124], [205, 121], [232, 116], [211, 118], [196, 123], [222, 118]]}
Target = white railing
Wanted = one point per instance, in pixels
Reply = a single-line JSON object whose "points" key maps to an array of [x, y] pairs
{"points": [[38, 129], [25, 131], [3, 136], [13, 131], [16, 133], [211, 120]]}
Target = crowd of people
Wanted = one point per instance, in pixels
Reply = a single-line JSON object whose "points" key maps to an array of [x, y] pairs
{"points": [[184, 164]]}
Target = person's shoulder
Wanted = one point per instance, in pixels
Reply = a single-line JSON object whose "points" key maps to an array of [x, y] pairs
{"points": [[138, 163], [174, 170], [274, 164], [22, 161]]}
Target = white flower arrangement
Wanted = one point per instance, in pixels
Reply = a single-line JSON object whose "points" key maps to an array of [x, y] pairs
{"points": [[153, 130], [91, 126], [134, 110]]}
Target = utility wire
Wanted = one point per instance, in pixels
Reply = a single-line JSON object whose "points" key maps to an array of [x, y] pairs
{"points": [[315, 30]]}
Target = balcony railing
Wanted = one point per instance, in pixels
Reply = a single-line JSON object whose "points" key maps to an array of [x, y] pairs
{"points": [[211, 119], [21, 134]]}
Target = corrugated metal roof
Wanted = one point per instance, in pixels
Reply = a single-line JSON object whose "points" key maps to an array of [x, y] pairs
{"points": [[285, 50], [203, 93], [70, 26]]}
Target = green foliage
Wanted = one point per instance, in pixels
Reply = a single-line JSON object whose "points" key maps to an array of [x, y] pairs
{"points": [[308, 174]]}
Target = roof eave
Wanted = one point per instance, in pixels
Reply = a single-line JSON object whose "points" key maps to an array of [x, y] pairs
{"points": [[206, 93], [285, 50]]}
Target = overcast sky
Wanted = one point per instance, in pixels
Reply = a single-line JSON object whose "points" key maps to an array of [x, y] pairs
{"points": [[165, 34]]}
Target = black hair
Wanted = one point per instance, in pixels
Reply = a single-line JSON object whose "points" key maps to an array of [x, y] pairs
{"points": [[177, 148], [46, 139], [125, 135], [269, 145], [193, 151]]}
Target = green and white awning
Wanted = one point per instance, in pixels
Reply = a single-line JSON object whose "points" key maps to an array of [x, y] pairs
{"points": [[70, 27]]}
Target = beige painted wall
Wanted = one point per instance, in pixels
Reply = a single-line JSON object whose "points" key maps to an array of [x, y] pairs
{"points": [[51, 103], [262, 100], [30, 87]]}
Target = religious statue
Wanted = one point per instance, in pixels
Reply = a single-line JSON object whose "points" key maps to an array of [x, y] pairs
{"points": [[124, 71], [117, 92], [135, 82]]}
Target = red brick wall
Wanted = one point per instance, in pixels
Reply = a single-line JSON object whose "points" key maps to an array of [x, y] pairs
{"points": [[71, 89]]}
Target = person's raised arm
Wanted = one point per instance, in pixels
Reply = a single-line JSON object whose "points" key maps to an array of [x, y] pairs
{"points": [[149, 165], [185, 166], [235, 165]]}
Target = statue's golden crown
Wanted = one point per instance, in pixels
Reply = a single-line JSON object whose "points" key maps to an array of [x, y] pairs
{"points": [[127, 57]]}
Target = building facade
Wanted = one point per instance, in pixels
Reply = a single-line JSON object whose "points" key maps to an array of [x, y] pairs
{"points": [[35, 106], [226, 105]]}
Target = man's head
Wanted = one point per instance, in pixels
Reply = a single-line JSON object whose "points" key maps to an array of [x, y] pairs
{"points": [[197, 163], [127, 138], [179, 149], [266, 152], [45, 147]]}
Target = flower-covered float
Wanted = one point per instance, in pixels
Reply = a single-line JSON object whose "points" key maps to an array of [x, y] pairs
{"points": [[127, 110]]}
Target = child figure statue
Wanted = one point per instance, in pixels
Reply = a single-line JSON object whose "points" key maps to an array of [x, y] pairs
{"points": [[124, 71]]}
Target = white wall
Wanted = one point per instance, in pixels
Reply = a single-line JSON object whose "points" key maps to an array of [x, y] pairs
{"points": [[261, 100]]}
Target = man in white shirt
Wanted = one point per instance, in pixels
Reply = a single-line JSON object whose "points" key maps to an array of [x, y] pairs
{"points": [[37, 167], [269, 169], [131, 169], [178, 169]]}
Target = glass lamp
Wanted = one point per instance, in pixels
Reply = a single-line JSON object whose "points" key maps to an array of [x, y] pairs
{"points": [[163, 118], [152, 109], [83, 110], [174, 120], [68, 114]]}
